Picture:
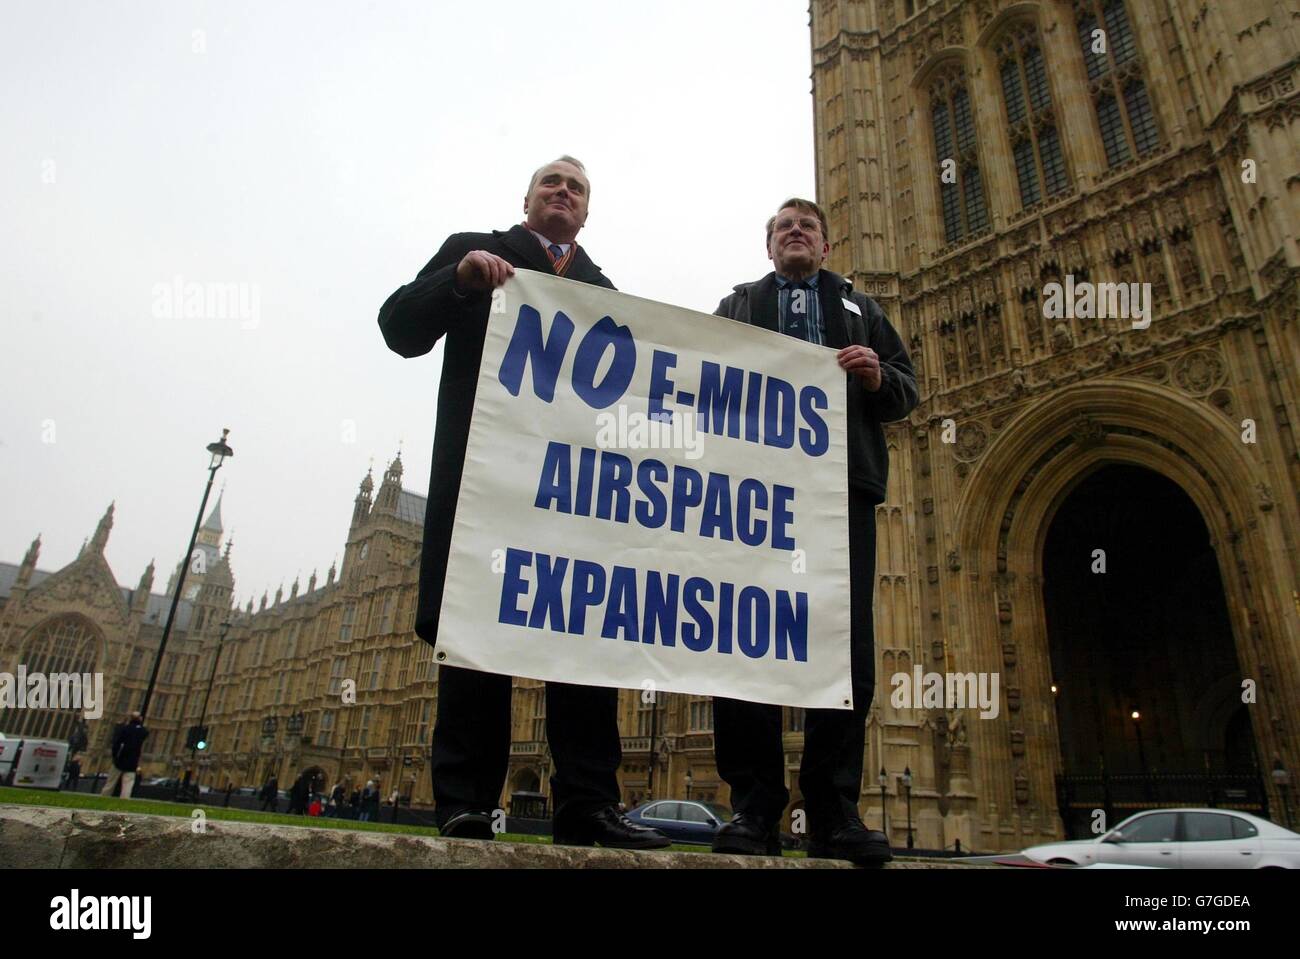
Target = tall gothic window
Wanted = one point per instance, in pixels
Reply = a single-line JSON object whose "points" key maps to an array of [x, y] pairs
{"points": [[961, 190], [1128, 126], [1035, 143], [65, 646]]}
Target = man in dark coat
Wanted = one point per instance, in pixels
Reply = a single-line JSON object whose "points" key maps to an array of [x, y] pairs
{"points": [[451, 296], [270, 794], [128, 741], [801, 299]]}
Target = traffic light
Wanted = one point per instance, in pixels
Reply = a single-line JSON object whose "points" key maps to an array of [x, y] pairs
{"points": [[196, 737]]}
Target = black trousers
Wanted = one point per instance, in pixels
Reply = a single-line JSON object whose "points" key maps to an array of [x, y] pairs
{"points": [[471, 743], [747, 736]]}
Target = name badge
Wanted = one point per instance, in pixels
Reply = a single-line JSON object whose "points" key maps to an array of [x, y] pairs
{"points": [[850, 305]]}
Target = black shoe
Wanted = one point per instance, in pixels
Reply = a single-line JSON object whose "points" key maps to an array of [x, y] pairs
{"points": [[468, 824], [748, 835], [606, 827], [853, 841]]}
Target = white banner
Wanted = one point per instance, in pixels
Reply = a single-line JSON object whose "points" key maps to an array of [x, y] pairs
{"points": [[654, 499]]}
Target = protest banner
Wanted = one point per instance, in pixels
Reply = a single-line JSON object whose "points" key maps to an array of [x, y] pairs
{"points": [[652, 498]]}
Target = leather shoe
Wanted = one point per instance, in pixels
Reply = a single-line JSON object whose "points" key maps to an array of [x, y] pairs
{"points": [[748, 835], [606, 827], [468, 824], [853, 841]]}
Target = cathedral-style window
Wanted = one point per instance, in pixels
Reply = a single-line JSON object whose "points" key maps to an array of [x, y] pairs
{"points": [[1035, 144], [1124, 115], [66, 646], [961, 189]]}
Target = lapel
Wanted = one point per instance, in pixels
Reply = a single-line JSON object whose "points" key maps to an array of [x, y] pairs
{"points": [[583, 270], [830, 286], [763, 304], [520, 241]]}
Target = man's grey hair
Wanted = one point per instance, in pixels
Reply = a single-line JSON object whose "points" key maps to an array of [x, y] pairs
{"points": [[560, 159]]}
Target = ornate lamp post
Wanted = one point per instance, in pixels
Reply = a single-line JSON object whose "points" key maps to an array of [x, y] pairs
{"points": [[907, 784], [883, 779], [220, 451]]}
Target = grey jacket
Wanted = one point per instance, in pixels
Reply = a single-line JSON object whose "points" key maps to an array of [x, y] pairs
{"points": [[756, 303]]}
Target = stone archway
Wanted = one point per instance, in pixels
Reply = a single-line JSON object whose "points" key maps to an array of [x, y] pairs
{"points": [[1003, 517]]}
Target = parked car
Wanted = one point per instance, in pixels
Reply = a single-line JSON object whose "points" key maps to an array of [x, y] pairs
{"points": [[1181, 839], [682, 820]]}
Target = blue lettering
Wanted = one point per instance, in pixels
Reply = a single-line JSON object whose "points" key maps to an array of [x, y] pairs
{"points": [[599, 338], [792, 626], [512, 587], [697, 640], [754, 622], [526, 343], [814, 438]]}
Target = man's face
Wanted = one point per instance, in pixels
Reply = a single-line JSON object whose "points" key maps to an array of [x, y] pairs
{"points": [[556, 206], [797, 246]]}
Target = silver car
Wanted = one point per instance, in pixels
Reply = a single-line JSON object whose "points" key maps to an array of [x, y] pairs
{"points": [[1181, 839]]}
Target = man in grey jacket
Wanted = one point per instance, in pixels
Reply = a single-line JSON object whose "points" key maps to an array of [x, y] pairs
{"points": [[801, 299]]}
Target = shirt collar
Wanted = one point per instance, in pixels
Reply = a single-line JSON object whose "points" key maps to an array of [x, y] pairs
{"points": [[782, 282], [546, 243]]}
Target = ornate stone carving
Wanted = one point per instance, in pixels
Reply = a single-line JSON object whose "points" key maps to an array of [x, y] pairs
{"points": [[1088, 433], [1199, 371], [971, 441]]}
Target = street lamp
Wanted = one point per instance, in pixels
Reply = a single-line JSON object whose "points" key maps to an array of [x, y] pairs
{"points": [[907, 784], [1282, 780], [883, 779], [203, 713], [220, 451]]}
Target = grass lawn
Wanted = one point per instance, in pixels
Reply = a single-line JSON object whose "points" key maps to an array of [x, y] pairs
{"points": [[152, 807]]}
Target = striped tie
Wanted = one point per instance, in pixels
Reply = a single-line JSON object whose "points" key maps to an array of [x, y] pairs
{"points": [[555, 250]]}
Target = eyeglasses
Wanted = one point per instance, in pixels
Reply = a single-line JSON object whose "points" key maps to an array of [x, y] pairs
{"points": [[808, 224]]}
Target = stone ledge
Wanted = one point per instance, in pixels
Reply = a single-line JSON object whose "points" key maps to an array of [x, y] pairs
{"points": [[47, 837]]}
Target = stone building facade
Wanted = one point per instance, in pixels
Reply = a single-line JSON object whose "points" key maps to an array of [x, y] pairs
{"points": [[1134, 141]]}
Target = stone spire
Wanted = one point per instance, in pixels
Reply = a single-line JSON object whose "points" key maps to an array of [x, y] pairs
{"points": [[100, 539], [311, 583], [361, 507], [391, 488], [140, 600], [29, 562]]}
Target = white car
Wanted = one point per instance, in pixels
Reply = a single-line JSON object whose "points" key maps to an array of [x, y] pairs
{"points": [[1181, 839]]}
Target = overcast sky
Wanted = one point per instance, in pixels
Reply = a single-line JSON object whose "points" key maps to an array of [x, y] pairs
{"points": [[318, 153]]}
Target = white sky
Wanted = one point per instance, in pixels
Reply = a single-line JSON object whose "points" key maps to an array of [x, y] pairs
{"points": [[320, 152]]}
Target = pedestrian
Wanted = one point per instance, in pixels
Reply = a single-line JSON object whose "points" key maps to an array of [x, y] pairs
{"points": [[298, 794], [451, 296], [127, 743], [270, 794], [74, 774], [801, 299], [354, 804], [367, 799]]}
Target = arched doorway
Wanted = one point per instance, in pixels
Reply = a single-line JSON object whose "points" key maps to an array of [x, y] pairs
{"points": [[1142, 652]]}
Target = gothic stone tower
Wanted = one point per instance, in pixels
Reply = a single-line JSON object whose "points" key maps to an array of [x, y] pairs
{"points": [[1102, 514]]}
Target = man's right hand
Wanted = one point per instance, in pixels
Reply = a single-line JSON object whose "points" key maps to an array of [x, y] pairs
{"points": [[480, 270]]}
